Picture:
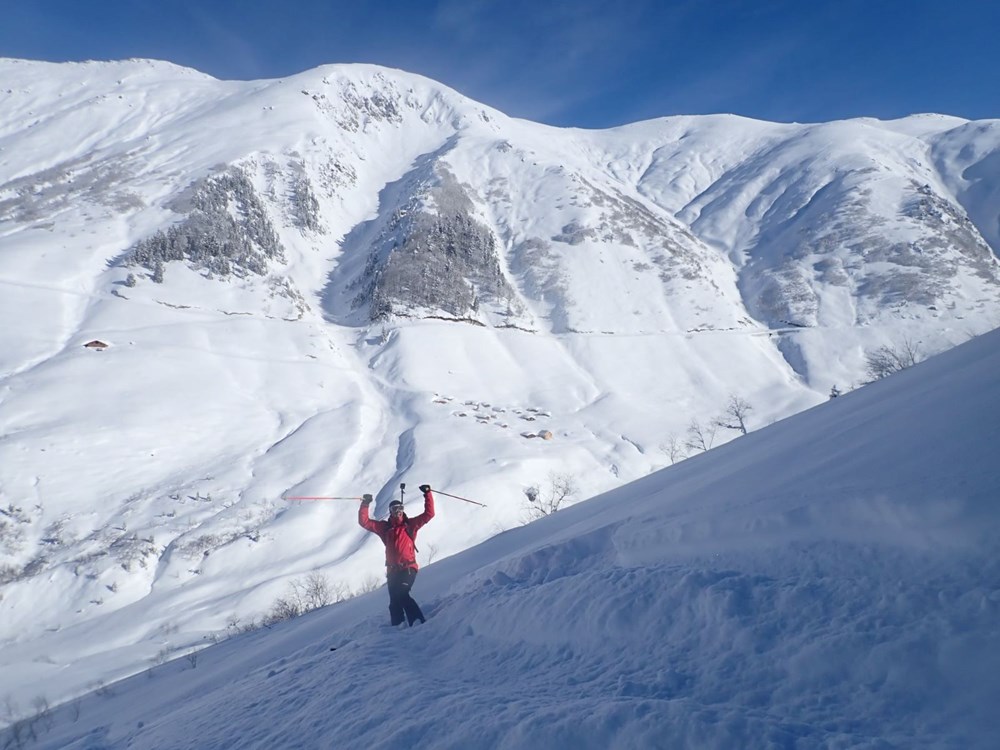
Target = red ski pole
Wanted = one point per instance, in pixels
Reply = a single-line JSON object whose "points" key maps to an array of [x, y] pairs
{"points": [[321, 498], [442, 492]]}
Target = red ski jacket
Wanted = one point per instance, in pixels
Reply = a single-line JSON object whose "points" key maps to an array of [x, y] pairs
{"points": [[398, 537]]}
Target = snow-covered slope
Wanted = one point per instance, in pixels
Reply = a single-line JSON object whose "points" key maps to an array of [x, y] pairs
{"points": [[355, 277], [829, 581]]}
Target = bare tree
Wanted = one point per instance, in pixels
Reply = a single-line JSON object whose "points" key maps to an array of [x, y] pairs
{"points": [[735, 416], [283, 608], [370, 583], [314, 591], [340, 591], [42, 713], [235, 625], [887, 360], [700, 438], [674, 448], [561, 487], [432, 550]]}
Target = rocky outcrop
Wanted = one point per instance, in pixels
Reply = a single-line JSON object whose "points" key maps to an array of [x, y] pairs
{"points": [[435, 257]]}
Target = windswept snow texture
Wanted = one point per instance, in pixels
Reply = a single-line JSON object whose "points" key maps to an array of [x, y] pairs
{"points": [[831, 581]]}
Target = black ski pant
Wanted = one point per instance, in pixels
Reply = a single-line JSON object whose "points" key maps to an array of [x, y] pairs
{"points": [[400, 581]]}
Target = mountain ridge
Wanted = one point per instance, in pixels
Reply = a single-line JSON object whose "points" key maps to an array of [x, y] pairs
{"points": [[332, 282]]}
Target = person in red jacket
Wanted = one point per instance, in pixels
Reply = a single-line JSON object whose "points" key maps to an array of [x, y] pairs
{"points": [[399, 534]]}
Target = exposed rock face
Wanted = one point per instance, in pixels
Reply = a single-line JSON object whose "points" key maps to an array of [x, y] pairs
{"points": [[436, 256], [915, 260]]}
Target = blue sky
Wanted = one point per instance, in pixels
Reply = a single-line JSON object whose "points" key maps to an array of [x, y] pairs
{"points": [[586, 63]]}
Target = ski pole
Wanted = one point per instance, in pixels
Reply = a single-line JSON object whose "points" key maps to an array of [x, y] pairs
{"points": [[447, 494], [321, 498]]}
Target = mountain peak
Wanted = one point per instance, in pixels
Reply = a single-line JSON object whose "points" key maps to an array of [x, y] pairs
{"points": [[330, 283]]}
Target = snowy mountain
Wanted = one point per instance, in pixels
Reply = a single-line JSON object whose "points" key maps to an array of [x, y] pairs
{"points": [[828, 581], [355, 277]]}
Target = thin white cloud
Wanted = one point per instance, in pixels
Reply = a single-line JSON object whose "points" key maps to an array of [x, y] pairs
{"points": [[228, 44], [529, 60], [721, 84]]}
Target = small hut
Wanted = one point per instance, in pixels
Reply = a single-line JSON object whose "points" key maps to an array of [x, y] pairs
{"points": [[95, 344]]}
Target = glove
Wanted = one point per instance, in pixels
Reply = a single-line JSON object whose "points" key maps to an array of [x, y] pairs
{"points": [[366, 499], [425, 488]]}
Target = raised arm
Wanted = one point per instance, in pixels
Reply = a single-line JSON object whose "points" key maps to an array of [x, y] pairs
{"points": [[364, 519], [428, 513]]}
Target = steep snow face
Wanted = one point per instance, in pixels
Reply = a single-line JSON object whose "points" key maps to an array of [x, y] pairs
{"points": [[354, 277], [968, 158], [837, 224]]}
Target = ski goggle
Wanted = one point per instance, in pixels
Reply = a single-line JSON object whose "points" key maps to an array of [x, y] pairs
{"points": [[395, 508]]}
